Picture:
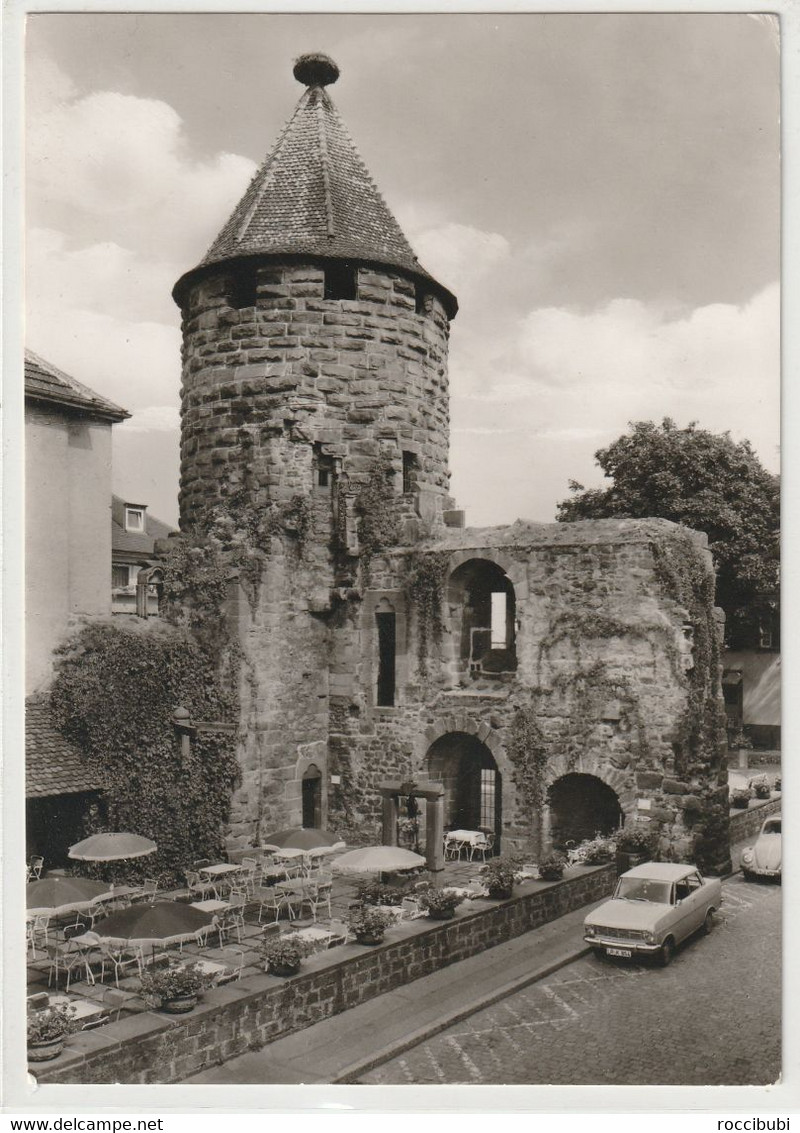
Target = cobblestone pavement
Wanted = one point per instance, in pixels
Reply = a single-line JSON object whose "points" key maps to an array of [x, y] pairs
{"points": [[711, 1018]]}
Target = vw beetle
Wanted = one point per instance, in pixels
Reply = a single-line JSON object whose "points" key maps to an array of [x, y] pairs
{"points": [[764, 858]]}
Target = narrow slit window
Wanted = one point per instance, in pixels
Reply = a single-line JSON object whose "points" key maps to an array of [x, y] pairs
{"points": [[323, 477], [488, 798], [420, 300], [387, 653], [499, 622], [410, 465], [341, 281]]}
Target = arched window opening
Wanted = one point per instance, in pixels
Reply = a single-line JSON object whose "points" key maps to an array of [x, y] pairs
{"points": [[482, 604], [472, 783]]}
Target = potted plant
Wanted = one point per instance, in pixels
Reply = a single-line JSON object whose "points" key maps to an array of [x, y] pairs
{"points": [[283, 954], [368, 924], [552, 867], [376, 893], [596, 851], [635, 844], [440, 904], [174, 989], [500, 875], [760, 785], [48, 1029], [740, 798]]}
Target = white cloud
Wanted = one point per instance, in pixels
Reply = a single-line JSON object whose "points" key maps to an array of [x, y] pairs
{"points": [[460, 256]]}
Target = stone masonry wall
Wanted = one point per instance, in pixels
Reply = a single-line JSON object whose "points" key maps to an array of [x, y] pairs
{"points": [[603, 659], [269, 392], [152, 1047]]}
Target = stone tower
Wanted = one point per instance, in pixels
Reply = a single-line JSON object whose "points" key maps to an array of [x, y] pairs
{"points": [[314, 360]]}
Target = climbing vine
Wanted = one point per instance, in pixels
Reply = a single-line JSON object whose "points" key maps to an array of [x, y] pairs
{"points": [[684, 574], [528, 752], [425, 582], [115, 692], [376, 508]]}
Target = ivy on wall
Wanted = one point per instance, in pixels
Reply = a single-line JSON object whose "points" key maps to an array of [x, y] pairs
{"points": [[116, 689], [426, 577], [376, 508], [528, 751], [683, 572]]}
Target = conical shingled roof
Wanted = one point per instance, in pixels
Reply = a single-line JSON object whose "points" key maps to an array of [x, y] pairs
{"points": [[314, 196]]}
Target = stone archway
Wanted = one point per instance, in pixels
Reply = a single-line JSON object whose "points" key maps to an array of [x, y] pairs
{"points": [[603, 777], [473, 794], [582, 806]]}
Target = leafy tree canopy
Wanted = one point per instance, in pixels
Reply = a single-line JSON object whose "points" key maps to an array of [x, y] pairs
{"points": [[708, 482]]}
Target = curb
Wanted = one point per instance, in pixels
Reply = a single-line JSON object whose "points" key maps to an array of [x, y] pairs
{"points": [[349, 1075]]}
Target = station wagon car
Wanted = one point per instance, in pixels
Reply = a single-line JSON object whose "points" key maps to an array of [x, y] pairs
{"points": [[655, 906], [764, 858]]}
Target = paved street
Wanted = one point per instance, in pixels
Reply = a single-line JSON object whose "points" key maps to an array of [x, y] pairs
{"points": [[711, 1018]]}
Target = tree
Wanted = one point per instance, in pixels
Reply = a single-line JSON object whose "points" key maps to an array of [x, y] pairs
{"points": [[711, 483]]}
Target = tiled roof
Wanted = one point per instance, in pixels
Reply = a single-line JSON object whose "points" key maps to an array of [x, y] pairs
{"points": [[314, 195], [53, 766], [45, 382], [135, 543]]}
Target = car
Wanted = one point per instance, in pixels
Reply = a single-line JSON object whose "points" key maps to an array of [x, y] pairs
{"points": [[654, 908], [764, 858]]}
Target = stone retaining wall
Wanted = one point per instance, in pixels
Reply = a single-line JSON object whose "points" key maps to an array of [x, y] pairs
{"points": [[747, 823], [156, 1048]]}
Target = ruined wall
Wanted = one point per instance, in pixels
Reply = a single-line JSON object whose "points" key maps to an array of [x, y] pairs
{"points": [[604, 660]]}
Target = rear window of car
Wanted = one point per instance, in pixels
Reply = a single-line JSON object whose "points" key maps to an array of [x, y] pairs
{"points": [[772, 827]]}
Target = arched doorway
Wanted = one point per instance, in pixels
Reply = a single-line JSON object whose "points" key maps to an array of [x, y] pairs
{"points": [[312, 797], [483, 606], [580, 807], [472, 783]]}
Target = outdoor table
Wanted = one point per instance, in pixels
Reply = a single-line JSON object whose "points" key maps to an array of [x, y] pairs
{"points": [[393, 911], [207, 967], [85, 1009], [210, 906], [318, 937], [288, 853], [220, 869]]}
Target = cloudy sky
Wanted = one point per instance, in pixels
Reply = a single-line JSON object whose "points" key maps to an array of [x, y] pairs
{"points": [[600, 191]]}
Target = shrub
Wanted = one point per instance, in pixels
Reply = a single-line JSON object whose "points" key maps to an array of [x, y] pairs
{"points": [[54, 1022], [502, 873], [552, 867], [376, 893], [740, 798]]}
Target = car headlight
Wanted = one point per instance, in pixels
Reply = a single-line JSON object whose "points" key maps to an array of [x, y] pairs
{"points": [[590, 930], [649, 938], [747, 855]]}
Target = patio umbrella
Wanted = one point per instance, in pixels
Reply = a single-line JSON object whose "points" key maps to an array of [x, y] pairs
{"points": [[159, 923], [303, 838], [58, 895], [377, 859], [112, 848]]}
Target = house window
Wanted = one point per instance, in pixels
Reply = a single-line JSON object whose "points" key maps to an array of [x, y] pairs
{"points": [[410, 465], [499, 625], [488, 797], [119, 575], [387, 654], [341, 281], [134, 519], [244, 287], [421, 301]]}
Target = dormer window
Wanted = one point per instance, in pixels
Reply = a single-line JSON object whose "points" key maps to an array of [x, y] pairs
{"points": [[341, 281], [134, 518]]}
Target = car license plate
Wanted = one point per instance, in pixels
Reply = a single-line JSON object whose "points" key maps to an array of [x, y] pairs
{"points": [[618, 952]]}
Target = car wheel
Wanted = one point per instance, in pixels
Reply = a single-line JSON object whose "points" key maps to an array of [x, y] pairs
{"points": [[666, 952], [708, 923]]}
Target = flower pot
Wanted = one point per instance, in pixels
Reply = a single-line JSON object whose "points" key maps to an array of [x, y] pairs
{"points": [[369, 938], [179, 1005], [45, 1050], [283, 969], [551, 875], [441, 914]]}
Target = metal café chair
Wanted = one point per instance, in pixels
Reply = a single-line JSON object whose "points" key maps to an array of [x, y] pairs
{"points": [[199, 886], [483, 846], [36, 865], [232, 919], [120, 957], [69, 958]]}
